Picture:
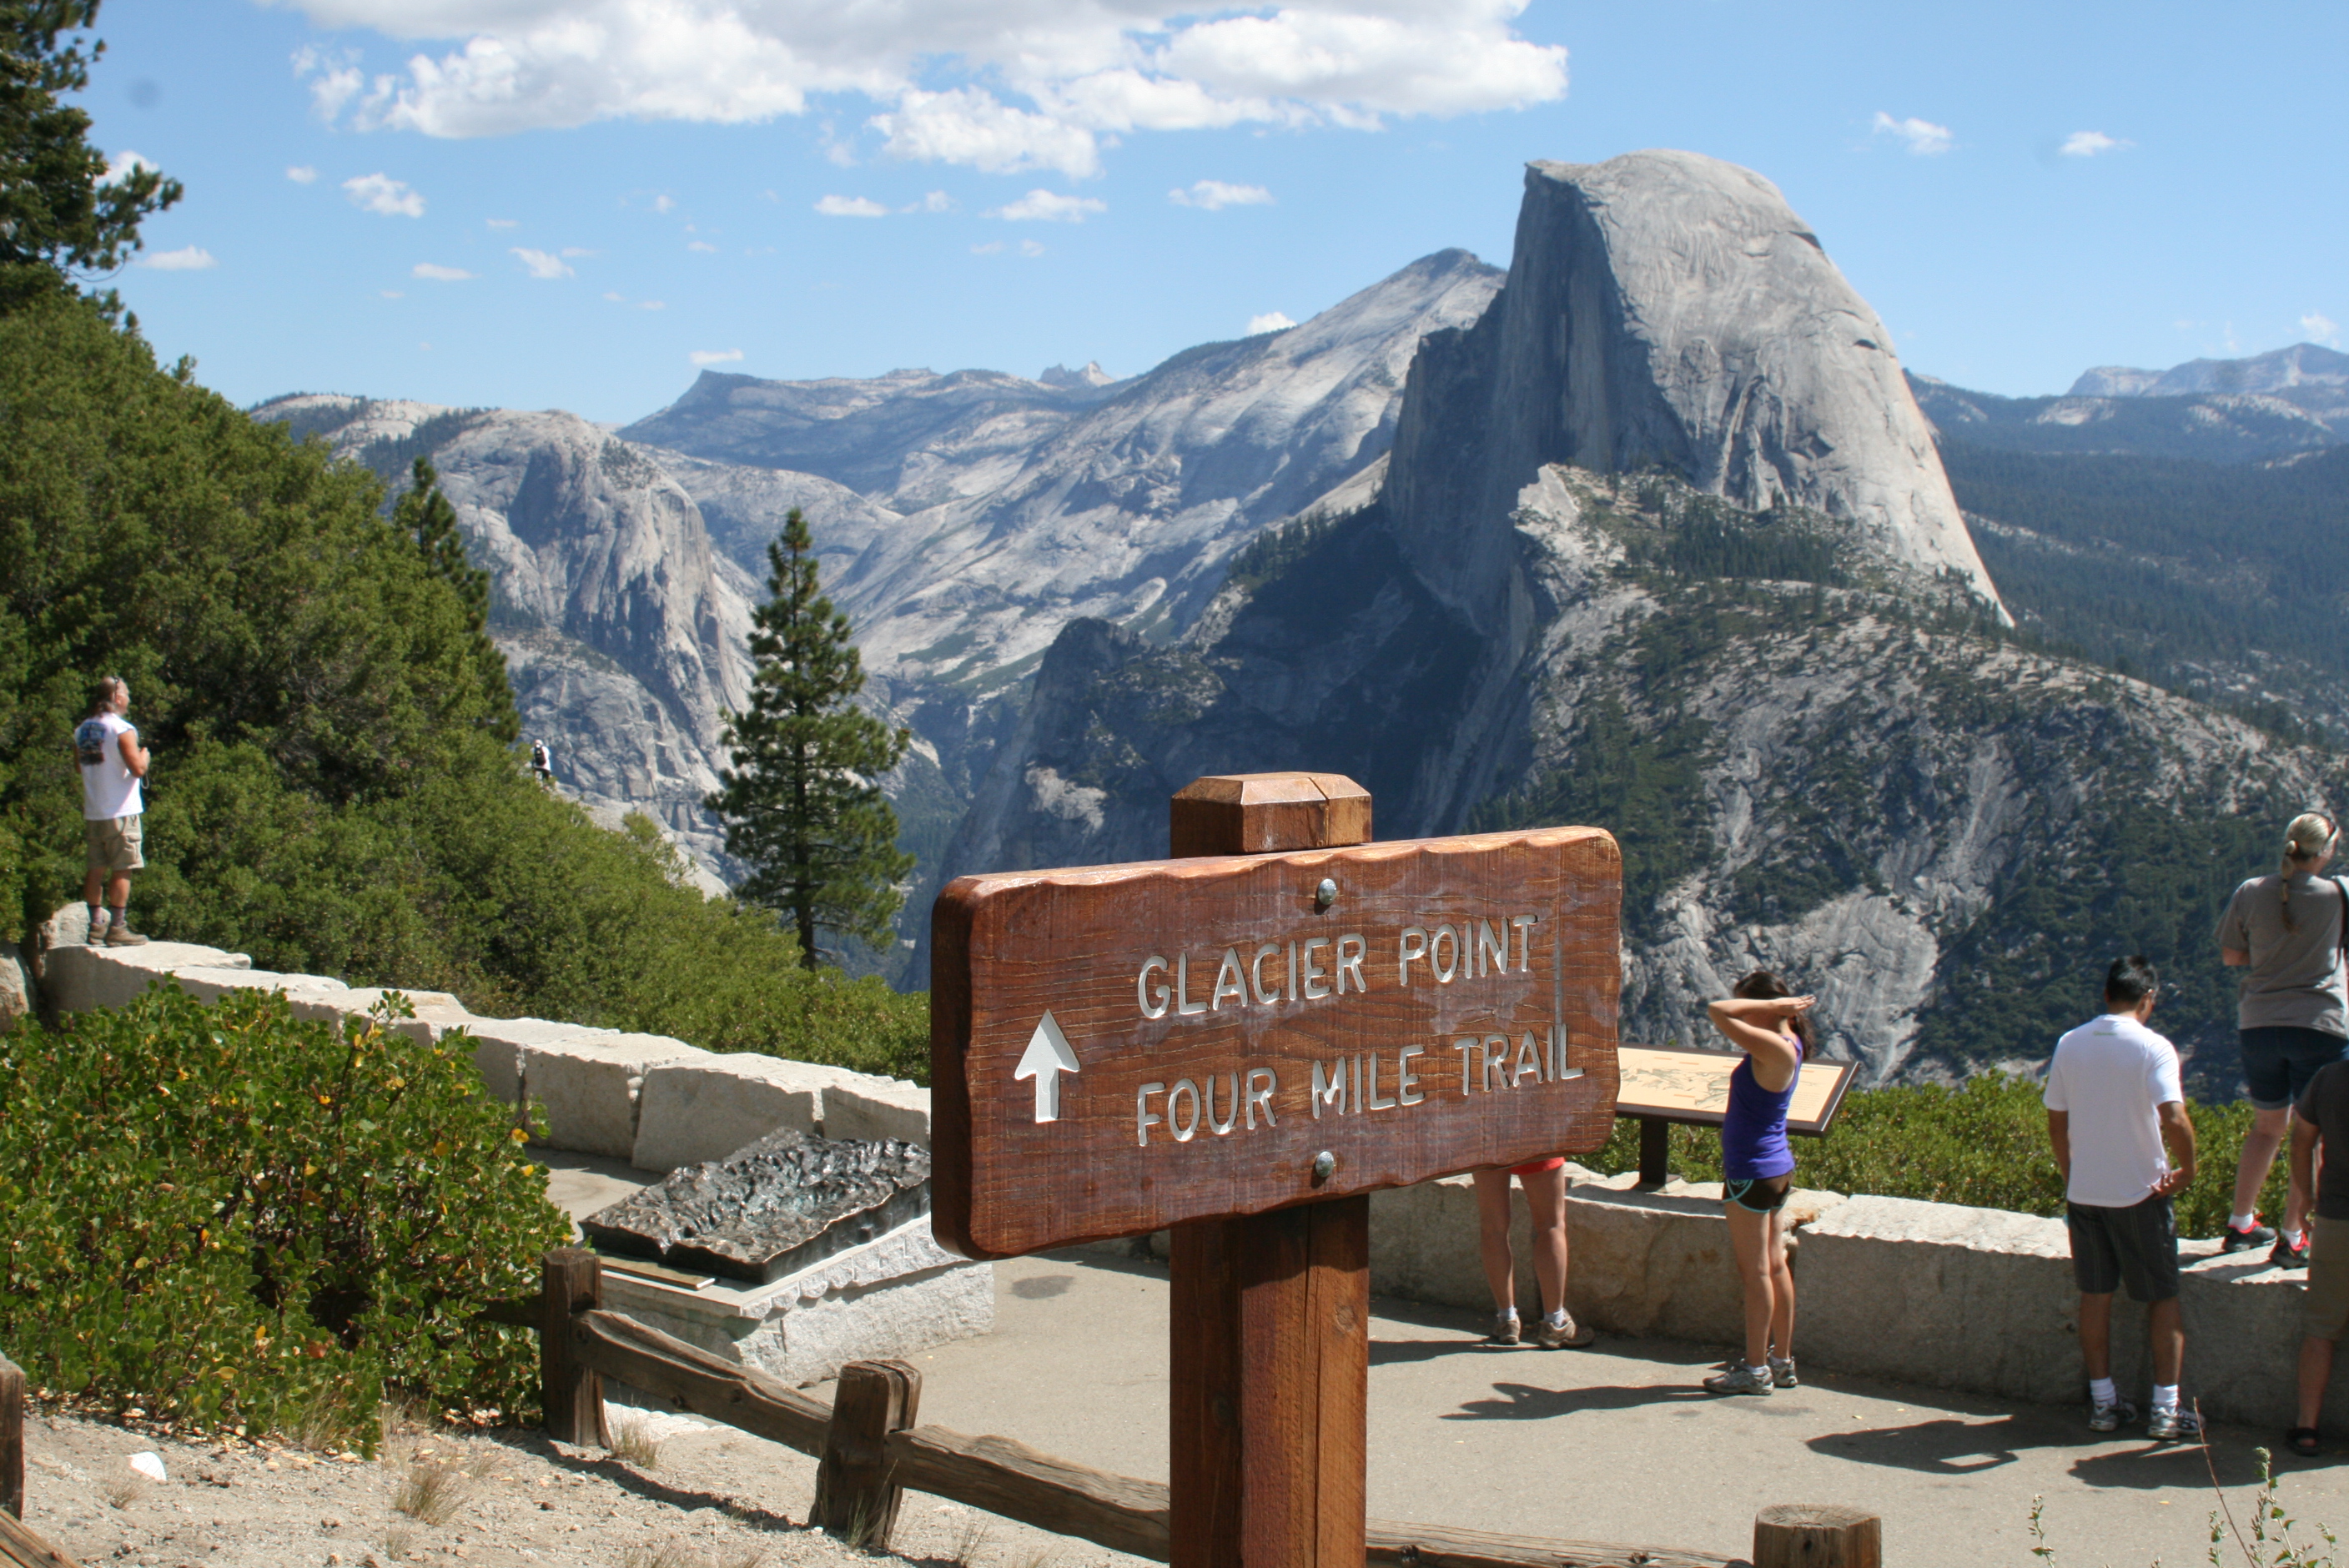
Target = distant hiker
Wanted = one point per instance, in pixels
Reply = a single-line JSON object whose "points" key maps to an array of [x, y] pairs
{"points": [[1544, 1185], [112, 764], [541, 762], [2113, 1105], [2294, 1014], [1766, 1022], [2320, 1116]]}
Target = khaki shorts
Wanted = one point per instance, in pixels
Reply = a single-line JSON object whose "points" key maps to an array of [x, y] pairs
{"points": [[2324, 1307], [114, 844]]}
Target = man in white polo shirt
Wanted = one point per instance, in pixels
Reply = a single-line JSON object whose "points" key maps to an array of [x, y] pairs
{"points": [[112, 764], [2113, 1102]]}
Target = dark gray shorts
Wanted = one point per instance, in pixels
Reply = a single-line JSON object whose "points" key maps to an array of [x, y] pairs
{"points": [[2135, 1247]]}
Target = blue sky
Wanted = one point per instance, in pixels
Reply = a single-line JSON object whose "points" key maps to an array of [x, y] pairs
{"points": [[576, 203]]}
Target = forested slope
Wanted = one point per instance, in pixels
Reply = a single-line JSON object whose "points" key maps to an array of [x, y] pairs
{"points": [[334, 788]]}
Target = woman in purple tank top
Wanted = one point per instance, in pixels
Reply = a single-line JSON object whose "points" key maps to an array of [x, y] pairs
{"points": [[1765, 1021]]}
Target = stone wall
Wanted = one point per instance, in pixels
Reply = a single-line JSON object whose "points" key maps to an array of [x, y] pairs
{"points": [[1978, 1301], [652, 1102]]}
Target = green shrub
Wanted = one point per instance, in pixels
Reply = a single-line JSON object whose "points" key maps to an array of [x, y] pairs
{"points": [[1982, 1143], [227, 1216]]}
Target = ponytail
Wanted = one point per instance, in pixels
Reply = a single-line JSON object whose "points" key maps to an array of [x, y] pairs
{"points": [[2310, 835]]}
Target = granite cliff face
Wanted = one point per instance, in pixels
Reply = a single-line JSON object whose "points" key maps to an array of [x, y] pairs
{"points": [[624, 631], [1669, 311]]}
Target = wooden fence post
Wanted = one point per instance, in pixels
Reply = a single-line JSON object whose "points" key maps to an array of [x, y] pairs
{"points": [[570, 1393], [11, 1440], [1817, 1535], [1269, 1352], [856, 1490]]}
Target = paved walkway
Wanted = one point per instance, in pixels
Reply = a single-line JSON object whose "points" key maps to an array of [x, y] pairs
{"points": [[1617, 1443]]}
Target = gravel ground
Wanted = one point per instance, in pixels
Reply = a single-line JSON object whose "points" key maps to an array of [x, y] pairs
{"points": [[709, 1497]]}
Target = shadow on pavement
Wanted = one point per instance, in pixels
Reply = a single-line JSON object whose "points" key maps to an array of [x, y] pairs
{"points": [[1952, 1446], [1524, 1402]]}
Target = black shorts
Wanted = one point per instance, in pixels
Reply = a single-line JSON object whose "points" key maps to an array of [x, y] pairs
{"points": [[1766, 1195], [2135, 1247]]}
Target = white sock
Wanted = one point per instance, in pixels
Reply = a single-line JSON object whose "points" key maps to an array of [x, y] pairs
{"points": [[2102, 1391], [2165, 1398], [1507, 1313], [1557, 1319], [2290, 1239], [2240, 1221]]}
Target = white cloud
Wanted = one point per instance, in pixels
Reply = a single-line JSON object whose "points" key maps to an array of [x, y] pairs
{"points": [[504, 222], [382, 194], [186, 259], [651, 305], [616, 298], [1216, 195], [935, 201], [392, 293], [851, 206], [124, 162], [575, 252], [714, 356], [2088, 143], [334, 80], [438, 274], [1922, 136], [991, 248], [664, 203], [302, 174], [1031, 247], [700, 245], [542, 264], [1065, 78], [1270, 320], [2322, 327], [1049, 206]]}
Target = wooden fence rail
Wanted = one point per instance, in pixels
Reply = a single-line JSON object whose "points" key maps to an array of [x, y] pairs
{"points": [[1002, 1475], [870, 1452]]}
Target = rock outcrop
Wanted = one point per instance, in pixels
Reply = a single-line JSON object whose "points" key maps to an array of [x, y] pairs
{"points": [[624, 632], [1665, 310]]}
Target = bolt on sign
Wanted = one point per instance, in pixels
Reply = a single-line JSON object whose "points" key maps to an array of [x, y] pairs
{"points": [[1119, 1048]]}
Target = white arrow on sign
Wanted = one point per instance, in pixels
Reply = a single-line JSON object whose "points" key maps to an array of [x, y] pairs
{"points": [[1046, 1057]]}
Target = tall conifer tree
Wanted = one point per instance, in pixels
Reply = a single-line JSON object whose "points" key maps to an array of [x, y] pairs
{"points": [[801, 804], [425, 515]]}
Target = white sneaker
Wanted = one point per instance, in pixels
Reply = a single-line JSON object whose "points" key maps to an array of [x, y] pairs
{"points": [[1740, 1378]]}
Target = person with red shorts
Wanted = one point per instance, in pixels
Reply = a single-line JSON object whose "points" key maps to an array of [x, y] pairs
{"points": [[1544, 1185]]}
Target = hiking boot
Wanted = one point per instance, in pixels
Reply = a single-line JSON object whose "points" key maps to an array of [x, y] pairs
{"points": [[1740, 1378], [2110, 1418], [1505, 1329], [2243, 1240], [97, 937], [2284, 1255], [1566, 1336], [120, 934], [1782, 1372], [2175, 1425]]}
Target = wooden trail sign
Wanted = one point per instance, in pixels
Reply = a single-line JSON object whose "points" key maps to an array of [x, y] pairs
{"points": [[1243, 1045], [1119, 1048]]}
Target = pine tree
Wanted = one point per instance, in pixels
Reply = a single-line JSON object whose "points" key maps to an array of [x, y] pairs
{"points": [[800, 803], [424, 514], [59, 213]]}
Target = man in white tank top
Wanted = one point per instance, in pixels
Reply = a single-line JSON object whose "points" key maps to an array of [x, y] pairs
{"points": [[112, 764]]}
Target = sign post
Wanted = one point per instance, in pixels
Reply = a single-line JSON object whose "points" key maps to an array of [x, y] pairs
{"points": [[1241, 1044]]}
